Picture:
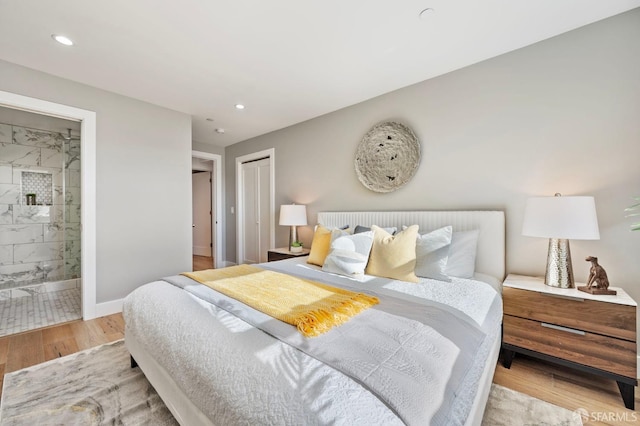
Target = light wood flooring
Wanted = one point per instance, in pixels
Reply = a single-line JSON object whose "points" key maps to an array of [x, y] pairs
{"points": [[202, 262], [568, 389]]}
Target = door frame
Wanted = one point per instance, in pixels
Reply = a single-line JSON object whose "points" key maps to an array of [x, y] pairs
{"points": [[267, 153], [216, 197], [87, 121]]}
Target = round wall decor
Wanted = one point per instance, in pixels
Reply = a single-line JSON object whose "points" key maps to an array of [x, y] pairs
{"points": [[387, 157]]}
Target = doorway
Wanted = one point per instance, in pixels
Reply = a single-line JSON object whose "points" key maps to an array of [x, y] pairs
{"points": [[206, 191], [86, 214], [255, 194]]}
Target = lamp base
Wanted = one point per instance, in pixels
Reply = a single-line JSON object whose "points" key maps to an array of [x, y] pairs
{"points": [[559, 268]]}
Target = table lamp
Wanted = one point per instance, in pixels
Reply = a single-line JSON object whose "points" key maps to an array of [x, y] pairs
{"points": [[560, 219], [293, 215]]}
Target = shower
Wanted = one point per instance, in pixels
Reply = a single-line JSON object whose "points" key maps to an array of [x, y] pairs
{"points": [[41, 244]]}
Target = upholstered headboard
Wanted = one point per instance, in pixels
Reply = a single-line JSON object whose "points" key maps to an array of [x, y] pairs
{"points": [[490, 258]]}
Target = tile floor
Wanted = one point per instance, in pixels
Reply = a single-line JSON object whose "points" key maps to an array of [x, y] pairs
{"points": [[39, 310]]}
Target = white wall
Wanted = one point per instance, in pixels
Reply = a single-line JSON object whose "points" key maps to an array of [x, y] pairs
{"points": [[143, 180], [562, 115]]}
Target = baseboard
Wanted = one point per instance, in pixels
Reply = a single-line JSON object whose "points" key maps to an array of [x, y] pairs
{"points": [[109, 308], [202, 251], [227, 263]]}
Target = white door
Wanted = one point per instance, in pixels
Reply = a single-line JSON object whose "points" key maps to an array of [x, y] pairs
{"points": [[201, 186], [256, 210]]}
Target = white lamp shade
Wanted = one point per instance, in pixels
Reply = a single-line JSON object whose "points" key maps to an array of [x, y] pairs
{"points": [[571, 218], [293, 215]]}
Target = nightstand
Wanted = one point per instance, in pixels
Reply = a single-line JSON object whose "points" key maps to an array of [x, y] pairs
{"points": [[284, 253], [590, 333]]}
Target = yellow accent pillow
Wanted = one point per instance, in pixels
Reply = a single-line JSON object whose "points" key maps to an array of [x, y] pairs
{"points": [[320, 246], [393, 256]]}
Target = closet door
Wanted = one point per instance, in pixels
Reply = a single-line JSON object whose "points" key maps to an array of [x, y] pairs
{"points": [[256, 210], [264, 203]]}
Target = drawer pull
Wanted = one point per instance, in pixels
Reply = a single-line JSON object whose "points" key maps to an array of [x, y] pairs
{"points": [[561, 296], [558, 327]]}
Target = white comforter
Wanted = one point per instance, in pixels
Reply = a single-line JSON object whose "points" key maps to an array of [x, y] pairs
{"points": [[237, 374]]}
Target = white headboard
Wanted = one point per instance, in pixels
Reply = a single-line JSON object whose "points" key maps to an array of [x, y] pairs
{"points": [[490, 257]]}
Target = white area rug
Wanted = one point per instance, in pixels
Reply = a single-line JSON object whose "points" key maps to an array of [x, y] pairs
{"points": [[98, 387], [507, 407]]}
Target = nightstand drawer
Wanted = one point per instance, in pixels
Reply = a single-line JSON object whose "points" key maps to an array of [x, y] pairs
{"points": [[609, 319], [597, 351]]}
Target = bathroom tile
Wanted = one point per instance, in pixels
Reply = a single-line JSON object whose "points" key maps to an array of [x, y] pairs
{"points": [[27, 291], [58, 199], [6, 255], [33, 214], [50, 286], [37, 138], [72, 160], [72, 231], [26, 272], [72, 268], [9, 193], [73, 213], [38, 252], [50, 158], [21, 234], [5, 133], [39, 310], [6, 173], [39, 183], [53, 270], [55, 172], [73, 179], [53, 232], [6, 214], [72, 256], [72, 196], [5, 294], [19, 154]]}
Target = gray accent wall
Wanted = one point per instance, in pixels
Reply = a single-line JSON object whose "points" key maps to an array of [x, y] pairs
{"points": [[562, 115], [143, 185]]}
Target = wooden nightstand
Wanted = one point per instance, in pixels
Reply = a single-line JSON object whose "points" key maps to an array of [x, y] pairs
{"points": [[284, 253], [595, 334]]}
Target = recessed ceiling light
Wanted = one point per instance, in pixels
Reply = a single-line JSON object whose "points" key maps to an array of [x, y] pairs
{"points": [[239, 106], [219, 130], [62, 39], [426, 13]]}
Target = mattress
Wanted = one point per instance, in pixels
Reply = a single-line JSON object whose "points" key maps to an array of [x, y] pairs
{"points": [[235, 373]]}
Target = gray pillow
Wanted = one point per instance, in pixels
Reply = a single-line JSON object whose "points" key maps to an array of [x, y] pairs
{"points": [[359, 228]]}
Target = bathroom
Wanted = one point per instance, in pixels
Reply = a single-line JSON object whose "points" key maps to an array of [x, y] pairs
{"points": [[40, 229]]}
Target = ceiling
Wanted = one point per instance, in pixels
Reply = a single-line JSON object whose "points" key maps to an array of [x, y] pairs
{"points": [[286, 60]]}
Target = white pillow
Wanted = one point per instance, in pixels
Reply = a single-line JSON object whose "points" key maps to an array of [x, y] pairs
{"points": [[462, 254], [349, 253], [432, 252]]}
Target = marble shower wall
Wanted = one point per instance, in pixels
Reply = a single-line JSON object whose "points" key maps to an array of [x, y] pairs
{"points": [[38, 242]]}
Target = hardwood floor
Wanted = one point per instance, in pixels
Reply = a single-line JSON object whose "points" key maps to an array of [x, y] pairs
{"points": [[569, 389], [598, 397], [202, 262]]}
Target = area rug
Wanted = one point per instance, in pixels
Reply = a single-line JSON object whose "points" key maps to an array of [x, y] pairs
{"points": [[98, 387], [507, 407]]}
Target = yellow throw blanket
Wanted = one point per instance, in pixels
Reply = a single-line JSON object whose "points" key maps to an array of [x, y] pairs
{"points": [[312, 307]]}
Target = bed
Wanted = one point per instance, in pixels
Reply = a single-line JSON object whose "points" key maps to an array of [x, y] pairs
{"points": [[214, 362]]}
